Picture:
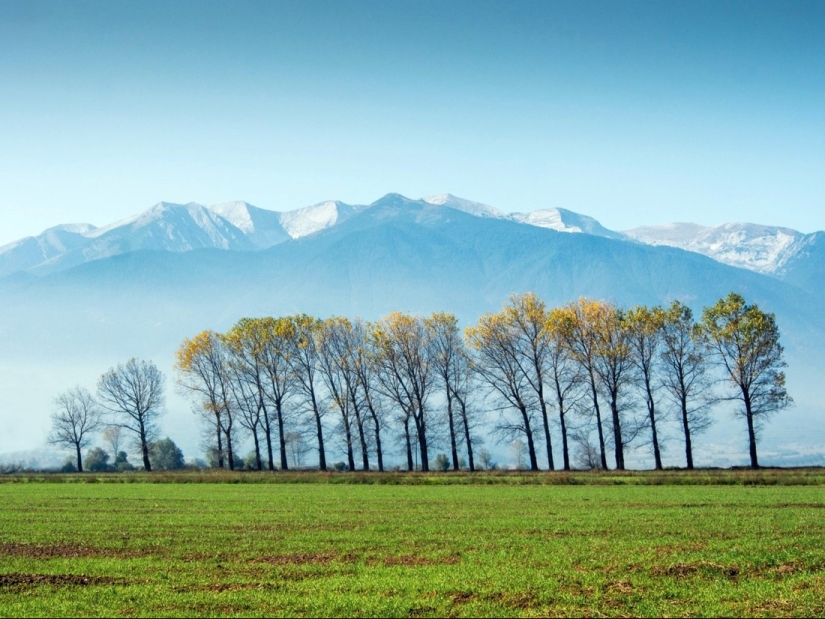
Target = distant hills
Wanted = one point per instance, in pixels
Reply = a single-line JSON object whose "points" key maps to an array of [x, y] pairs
{"points": [[77, 299]]}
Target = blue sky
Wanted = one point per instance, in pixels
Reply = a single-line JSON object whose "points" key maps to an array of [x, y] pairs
{"points": [[632, 112]]}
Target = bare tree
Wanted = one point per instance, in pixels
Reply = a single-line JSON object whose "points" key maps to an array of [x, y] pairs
{"points": [[202, 365], [246, 342], [447, 346], [280, 382], [463, 385], [133, 395], [365, 357], [76, 418], [406, 371], [566, 381], [614, 366], [575, 324], [112, 436], [498, 364], [338, 374], [304, 359], [645, 337], [685, 376], [528, 314]]}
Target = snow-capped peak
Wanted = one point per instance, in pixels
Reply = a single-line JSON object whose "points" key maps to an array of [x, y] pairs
{"points": [[749, 246], [237, 213], [311, 219], [468, 206]]}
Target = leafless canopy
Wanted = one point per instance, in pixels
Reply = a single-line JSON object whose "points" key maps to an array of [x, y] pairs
{"points": [[133, 396], [76, 418]]}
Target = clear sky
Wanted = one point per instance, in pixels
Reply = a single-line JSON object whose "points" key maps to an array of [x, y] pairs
{"points": [[632, 112]]}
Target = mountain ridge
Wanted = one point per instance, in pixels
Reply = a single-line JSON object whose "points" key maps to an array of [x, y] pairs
{"points": [[241, 226]]}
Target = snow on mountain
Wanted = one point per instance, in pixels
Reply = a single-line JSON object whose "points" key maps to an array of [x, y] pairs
{"points": [[171, 227], [564, 221], [764, 249], [467, 206], [242, 226], [262, 227], [28, 252], [312, 219]]}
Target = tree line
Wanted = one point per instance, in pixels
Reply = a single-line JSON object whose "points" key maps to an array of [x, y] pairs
{"points": [[413, 382]]}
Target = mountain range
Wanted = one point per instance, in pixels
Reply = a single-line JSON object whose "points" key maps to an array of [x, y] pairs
{"points": [[240, 226], [79, 299]]}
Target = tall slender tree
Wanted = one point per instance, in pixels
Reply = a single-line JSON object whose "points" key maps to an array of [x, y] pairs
{"points": [[685, 376], [565, 377], [407, 372], [304, 359], [576, 324], [644, 334], [745, 340], [202, 367], [499, 365], [528, 314], [445, 339]]}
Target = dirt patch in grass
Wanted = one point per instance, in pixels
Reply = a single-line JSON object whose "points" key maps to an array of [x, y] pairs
{"points": [[65, 551], [17, 581], [519, 601], [319, 558], [682, 570], [413, 561]]}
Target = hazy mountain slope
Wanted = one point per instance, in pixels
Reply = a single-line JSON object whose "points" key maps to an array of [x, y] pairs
{"points": [[166, 227], [396, 254], [806, 267], [262, 228], [31, 251]]}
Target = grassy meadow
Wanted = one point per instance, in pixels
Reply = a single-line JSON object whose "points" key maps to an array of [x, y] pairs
{"points": [[720, 543]]}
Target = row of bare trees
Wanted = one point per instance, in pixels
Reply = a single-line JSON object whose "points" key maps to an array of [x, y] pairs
{"points": [[589, 366], [361, 381]]}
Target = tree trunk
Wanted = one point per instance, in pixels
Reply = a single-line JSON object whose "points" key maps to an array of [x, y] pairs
{"points": [[751, 432], [470, 461], [595, 395], [452, 431], [80, 459], [531, 447], [686, 426], [550, 464], [220, 440], [651, 411], [410, 466], [350, 455], [268, 435], [564, 446], [548, 441], [319, 433], [422, 438], [379, 455], [617, 432], [229, 451], [281, 438], [258, 461], [144, 447]]}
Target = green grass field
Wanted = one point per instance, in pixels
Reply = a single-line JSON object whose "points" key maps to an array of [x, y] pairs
{"points": [[503, 548]]}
